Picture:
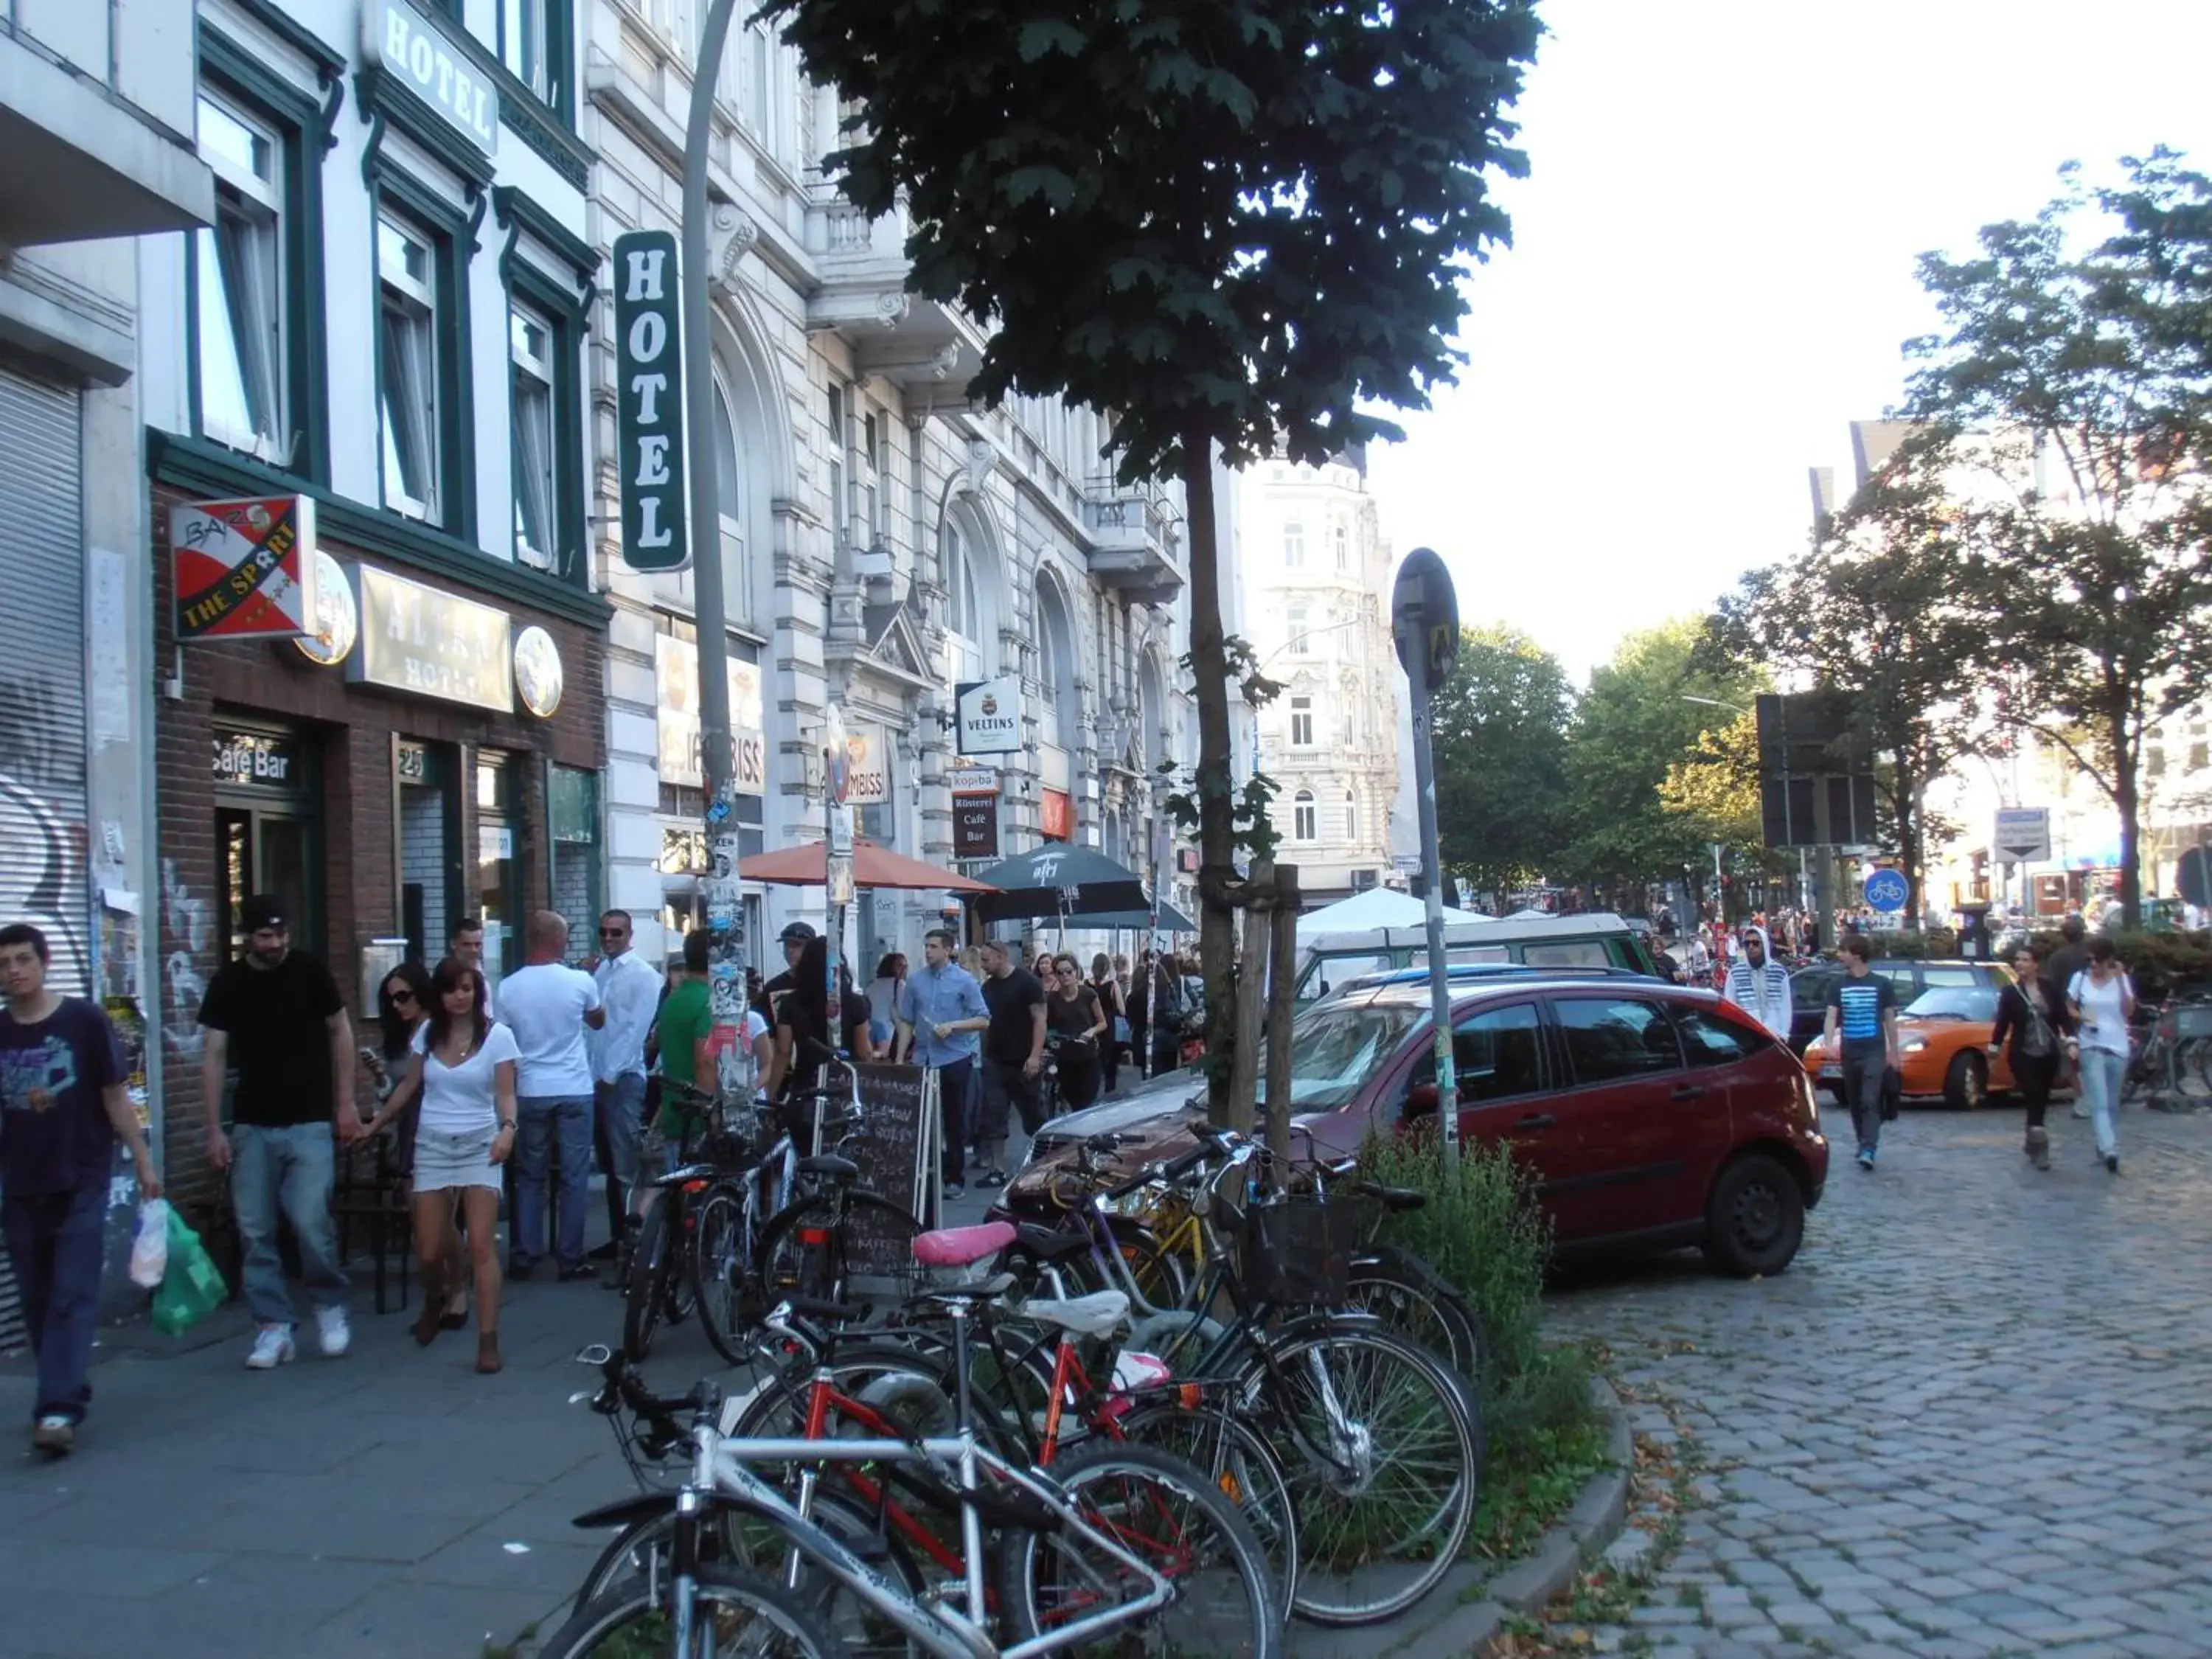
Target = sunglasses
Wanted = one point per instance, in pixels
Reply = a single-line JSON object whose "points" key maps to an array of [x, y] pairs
{"points": [[400, 997], [613, 933]]}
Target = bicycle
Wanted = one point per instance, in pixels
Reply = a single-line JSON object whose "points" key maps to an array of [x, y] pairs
{"points": [[662, 1280], [1113, 1538]]}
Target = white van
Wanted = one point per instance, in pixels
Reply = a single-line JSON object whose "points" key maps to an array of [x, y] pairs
{"points": [[1593, 939]]}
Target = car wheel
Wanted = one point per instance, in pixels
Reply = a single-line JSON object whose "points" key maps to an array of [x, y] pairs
{"points": [[1755, 1219], [1967, 1085]]}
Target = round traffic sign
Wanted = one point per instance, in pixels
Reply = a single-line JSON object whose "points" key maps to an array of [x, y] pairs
{"points": [[1886, 890]]}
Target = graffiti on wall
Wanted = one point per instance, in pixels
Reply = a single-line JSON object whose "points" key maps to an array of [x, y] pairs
{"points": [[42, 878], [185, 917]]}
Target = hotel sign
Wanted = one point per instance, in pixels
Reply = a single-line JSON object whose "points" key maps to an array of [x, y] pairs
{"points": [[417, 640], [416, 53], [649, 402]]}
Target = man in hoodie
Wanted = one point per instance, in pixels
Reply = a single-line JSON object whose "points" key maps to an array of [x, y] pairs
{"points": [[1759, 985]]}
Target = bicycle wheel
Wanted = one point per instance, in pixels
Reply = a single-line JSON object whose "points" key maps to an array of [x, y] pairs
{"points": [[722, 1271], [1170, 1515], [1411, 1298], [645, 1296], [734, 1612], [1383, 1449], [1240, 1462], [829, 1244]]}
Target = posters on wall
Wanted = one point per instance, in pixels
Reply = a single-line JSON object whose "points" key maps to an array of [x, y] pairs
{"points": [[676, 675]]}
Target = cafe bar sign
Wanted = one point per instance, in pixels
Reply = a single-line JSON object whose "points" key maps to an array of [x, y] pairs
{"points": [[417, 640], [244, 569]]}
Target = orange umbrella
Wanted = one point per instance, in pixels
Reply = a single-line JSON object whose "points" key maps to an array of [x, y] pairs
{"points": [[872, 867]]}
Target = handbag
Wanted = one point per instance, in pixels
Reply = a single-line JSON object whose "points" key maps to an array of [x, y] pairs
{"points": [[1892, 1094]]}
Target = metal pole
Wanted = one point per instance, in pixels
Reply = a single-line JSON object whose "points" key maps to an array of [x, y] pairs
{"points": [[1425, 792]]}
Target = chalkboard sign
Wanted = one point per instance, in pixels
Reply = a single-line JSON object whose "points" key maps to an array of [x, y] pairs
{"points": [[897, 1148]]}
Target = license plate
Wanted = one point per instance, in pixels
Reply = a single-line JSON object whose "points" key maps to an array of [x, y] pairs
{"points": [[1831, 1071]]}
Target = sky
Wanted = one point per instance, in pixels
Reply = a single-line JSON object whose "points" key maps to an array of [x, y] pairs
{"points": [[1712, 273]]}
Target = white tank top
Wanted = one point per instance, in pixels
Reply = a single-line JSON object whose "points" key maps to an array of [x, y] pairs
{"points": [[2104, 1021]]}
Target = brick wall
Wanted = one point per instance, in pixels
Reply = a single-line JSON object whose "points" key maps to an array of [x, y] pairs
{"points": [[350, 729]]}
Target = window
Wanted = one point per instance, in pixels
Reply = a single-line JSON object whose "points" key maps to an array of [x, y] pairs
{"points": [[760, 75], [1299, 640], [1711, 1040], [413, 371], [840, 507], [523, 45], [1342, 537], [1609, 1038], [2198, 755], [1301, 723], [239, 267], [1303, 825], [530, 346], [729, 504], [1567, 953], [2155, 762], [1497, 1054], [1351, 816], [1294, 545], [872, 476]]}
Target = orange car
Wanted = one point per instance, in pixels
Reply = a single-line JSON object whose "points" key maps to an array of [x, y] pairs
{"points": [[1944, 1033]]}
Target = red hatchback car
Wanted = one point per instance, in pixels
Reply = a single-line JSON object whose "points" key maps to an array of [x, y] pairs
{"points": [[1652, 1115]]}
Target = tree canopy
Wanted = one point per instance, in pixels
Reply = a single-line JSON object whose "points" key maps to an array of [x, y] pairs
{"points": [[1499, 731]]}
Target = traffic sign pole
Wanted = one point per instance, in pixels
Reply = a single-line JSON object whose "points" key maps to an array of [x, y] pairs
{"points": [[1425, 626]]}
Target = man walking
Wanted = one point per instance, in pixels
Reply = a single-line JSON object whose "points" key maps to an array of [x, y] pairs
{"points": [[2071, 959], [795, 938], [630, 992], [277, 1013], [940, 1012], [1760, 986], [464, 945], [1014, 1055], [63, 1105], [1864, 1006], [548, 1005]]}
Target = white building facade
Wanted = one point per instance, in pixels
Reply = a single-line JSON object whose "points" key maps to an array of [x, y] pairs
{"points": [[882, 540], [1315, 576]]}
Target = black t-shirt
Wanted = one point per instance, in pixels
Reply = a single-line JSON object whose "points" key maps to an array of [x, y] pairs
{"points": [[54, 1132], [805, 1026], [1073, 1017], [280, 1043], [1009, 996]]}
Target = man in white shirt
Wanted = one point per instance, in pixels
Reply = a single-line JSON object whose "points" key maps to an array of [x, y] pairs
{"points": [[548, 1005], [630, 992]]}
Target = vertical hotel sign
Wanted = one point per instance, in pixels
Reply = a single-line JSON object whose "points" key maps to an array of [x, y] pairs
{"points": [[244, 569], [649, 402]]}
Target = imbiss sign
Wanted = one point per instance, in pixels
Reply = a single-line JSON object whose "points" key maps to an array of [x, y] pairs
{"points": [[649, 402]]}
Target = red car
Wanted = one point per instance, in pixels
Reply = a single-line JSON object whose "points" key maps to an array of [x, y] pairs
{"points": [[1652, 1115]]}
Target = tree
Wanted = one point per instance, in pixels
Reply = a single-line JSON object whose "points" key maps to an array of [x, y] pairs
{"points": [[2077, 390], [1645, 711], [1713, 794], [1239, 226], [1498, 730], [1888, 607]]}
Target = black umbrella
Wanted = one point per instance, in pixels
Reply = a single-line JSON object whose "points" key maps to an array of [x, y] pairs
{"points": [[1057, 879], [1172, 920]]}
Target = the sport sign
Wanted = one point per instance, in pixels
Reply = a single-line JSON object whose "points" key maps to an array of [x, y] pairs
{"points": [[649, 402], [244, 569]]}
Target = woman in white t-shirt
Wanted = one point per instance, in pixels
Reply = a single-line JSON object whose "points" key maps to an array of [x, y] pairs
{"points": [[2101, 1000], [463, 1069]]}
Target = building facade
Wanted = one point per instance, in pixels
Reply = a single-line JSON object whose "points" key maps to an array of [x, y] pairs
{"points": [[882, 541], [378, 348], [1314, 573]]}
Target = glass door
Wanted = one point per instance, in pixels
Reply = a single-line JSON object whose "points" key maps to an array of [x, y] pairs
{"points": [[265, 850], [499, 865]]}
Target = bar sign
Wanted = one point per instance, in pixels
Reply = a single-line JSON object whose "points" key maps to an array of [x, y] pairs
{"points": [[649, 402]]}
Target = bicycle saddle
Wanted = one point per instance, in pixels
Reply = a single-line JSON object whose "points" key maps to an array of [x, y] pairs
{"points": [[962, 1247], [1391, 1198], [1050, 1243], [828, 1163], [1095, 1315]]}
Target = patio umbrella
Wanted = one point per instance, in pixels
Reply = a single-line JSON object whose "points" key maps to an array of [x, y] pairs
{"points": [[1056, 880], [1172, 920], [874, 867]]}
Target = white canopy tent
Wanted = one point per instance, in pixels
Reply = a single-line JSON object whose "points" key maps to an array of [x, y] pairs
{"points": [[1378, 907]]}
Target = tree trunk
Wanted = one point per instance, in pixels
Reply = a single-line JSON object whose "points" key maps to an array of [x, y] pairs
{"points": [[2127, 796], [1217, 819]]}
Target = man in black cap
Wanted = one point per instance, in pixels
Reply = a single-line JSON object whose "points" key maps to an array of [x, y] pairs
{"points": [[276, 1014], [796, 936]]}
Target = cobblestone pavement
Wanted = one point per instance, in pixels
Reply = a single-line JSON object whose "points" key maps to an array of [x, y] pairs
{"points": [[1974, 1418]]}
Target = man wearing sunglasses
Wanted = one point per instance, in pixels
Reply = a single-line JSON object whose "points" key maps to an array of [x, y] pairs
{"points": [[629, 990]]}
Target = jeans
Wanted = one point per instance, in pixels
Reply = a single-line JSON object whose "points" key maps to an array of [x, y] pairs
{"points": [[954, 1084], [619, 1112], [1005, 1086], [546, 1119], [54, 1245], [2033, 1075], [286, 1167], [1078, 1076], [1863, 1072], [2103, 1073]]}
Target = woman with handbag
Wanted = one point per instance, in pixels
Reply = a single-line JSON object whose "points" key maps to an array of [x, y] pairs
{"points": [[1116, 1040], [2032, 1017]]}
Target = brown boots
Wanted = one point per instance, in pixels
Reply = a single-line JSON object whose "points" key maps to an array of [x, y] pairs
{"points": [[2039, 1146]]}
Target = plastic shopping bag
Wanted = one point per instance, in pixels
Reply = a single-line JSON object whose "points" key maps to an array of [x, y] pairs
{"points": [[193, 1288], [149, 1245]]}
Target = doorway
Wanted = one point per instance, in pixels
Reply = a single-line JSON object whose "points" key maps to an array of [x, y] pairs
{"points": [[499, 864], [427, 825], [268, 832]]}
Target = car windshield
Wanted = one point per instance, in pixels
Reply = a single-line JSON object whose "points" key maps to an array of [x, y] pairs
{"points": [[1336, 1047], [1955, 1002]]}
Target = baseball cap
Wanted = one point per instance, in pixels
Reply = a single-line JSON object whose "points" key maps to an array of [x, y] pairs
{"points": [[797, 930], [262, 910]]}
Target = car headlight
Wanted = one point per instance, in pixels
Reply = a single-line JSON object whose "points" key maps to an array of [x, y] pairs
{"points": [[1913, 1045]]}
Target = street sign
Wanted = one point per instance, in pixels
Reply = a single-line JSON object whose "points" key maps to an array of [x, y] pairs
{"points": [[1425, 606], [2023, 834], [649, 402], [1886, 891]]}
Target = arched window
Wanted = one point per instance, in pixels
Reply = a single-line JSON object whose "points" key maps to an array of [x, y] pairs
{"points": [[1304, 826], [972, 605], [1294, 545], [1058, 716], [729, 501], [1351, 816], [1343, 537], [1151, 717]]}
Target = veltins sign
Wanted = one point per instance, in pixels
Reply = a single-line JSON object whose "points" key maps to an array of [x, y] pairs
{"points": [[435, 644], [990, 716], [676, 679], [244, 569], [649, 402], [416, 53]]}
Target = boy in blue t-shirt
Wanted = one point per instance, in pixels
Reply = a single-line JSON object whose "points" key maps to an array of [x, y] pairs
{"points": [[1862, 1009]]}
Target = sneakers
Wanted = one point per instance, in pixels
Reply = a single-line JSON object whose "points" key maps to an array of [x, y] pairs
{"points": [[272, 1347], [54, 1435], [575, 1272], [954, 1189], [332, 1331], [2112, 1162], [1865, 1157]]}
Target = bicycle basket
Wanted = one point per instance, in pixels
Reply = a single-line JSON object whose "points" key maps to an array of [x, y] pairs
{"points": [[1298, 1252]]}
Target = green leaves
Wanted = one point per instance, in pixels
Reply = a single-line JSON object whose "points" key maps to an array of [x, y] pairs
{"points": [[1041, 37]]}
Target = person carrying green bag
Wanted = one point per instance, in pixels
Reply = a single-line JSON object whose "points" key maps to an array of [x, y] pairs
{"points": [[63, 1104], [193, 1287]]}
